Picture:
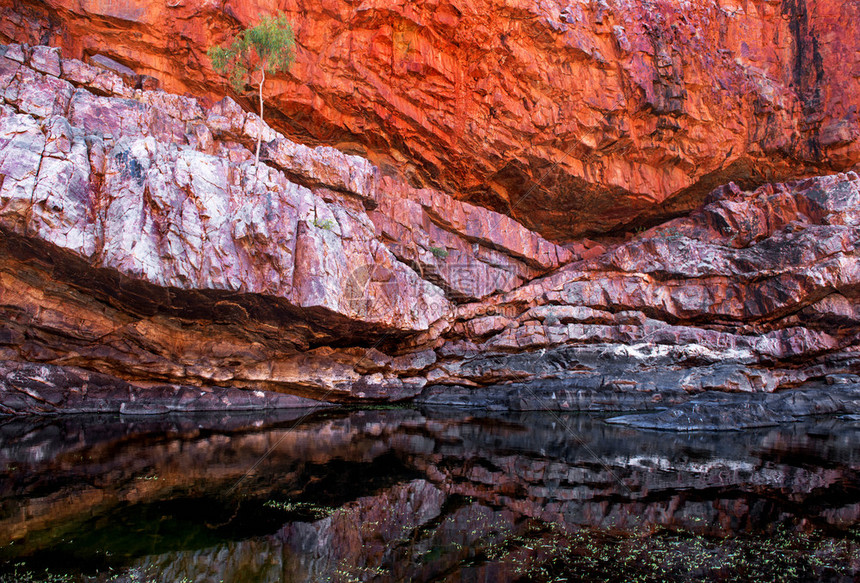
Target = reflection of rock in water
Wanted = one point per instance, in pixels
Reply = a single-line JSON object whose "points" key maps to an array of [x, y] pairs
{"points": [[413, 494], [363, 536], [593, 475], [403, 534], [259, 560]]}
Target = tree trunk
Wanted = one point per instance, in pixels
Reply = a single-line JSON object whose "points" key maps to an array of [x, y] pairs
{"points": [[260, 130]]}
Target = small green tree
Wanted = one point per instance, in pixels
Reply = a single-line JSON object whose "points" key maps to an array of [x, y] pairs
{"points": [[268, 47]]}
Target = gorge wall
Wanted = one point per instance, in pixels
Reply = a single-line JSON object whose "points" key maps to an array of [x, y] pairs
{"points": [[617, 113], [147, 265]]}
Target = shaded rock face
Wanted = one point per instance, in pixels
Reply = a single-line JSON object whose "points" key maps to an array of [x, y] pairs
{"points": [[753, 292], [138, 240], [46, 389], [615, 113]]}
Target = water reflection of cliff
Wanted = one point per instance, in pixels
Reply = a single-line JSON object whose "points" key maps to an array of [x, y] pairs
{"points": [[392, 495]]}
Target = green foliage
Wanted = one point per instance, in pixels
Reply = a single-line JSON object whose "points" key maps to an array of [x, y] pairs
{"points": [[594, 555], [316, 511], [20, 574], [671, 232], [224, 60], [327, 224], [269, 46], [439, 252]]}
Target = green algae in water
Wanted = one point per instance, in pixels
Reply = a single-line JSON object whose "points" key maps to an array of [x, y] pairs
{"points": [[672, 555]]}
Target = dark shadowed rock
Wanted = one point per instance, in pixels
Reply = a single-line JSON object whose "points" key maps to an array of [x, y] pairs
{"points": [[725, 411]]}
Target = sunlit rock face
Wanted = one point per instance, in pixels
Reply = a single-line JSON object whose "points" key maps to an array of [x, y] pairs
{"points": [[138, 234], [139, 241], [573, 117]]}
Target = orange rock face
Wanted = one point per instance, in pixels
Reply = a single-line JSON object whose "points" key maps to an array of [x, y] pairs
{"points": [[138, 239], [572, 118]]}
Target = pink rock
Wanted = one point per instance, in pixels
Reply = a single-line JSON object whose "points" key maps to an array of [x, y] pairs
{"points": [[107, 116], [45, 60], [16, 52], [38, 94], [102, 62], [142, 241]]}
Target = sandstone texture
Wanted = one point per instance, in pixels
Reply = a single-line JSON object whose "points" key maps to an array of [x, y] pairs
{"points": [[137, 233], [139, 242], [752, 293], [572, 117]]}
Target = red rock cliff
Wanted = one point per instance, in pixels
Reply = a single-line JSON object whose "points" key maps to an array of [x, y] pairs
{"points": [[139, 240], [571, 117]]}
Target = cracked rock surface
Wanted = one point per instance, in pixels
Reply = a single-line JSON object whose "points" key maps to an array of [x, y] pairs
{"points": [[618, 113], [139, 242]]}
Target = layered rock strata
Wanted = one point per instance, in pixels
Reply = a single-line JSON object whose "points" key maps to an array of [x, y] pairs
{"points": [[139, 240], [754, 292], [621, 113]]}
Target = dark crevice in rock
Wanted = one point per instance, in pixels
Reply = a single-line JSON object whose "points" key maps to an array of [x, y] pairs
{"points": [[807, 72], [484, 242], [428, 273], [314, 326]]}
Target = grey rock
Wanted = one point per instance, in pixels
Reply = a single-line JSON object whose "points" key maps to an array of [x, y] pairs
{"points": [[714, 411]]}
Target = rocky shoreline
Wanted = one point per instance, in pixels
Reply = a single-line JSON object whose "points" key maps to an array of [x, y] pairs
{"points": [[28, 389]]}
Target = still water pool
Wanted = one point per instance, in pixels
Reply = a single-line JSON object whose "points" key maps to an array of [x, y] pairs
{"points": [[423, 495]]}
